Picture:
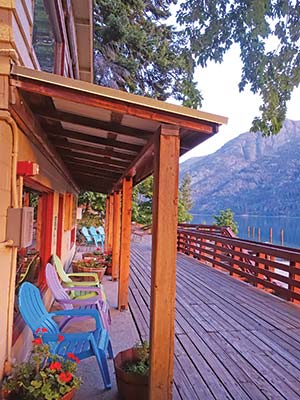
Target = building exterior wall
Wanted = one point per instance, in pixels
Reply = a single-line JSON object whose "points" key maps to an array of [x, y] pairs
{"points": [[16, 27]]}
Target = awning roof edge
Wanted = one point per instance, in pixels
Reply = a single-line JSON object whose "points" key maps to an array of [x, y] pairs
{"points": [[118, 95]]}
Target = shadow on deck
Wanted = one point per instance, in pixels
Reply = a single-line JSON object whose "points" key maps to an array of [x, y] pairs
{"points": [[233, 341]]}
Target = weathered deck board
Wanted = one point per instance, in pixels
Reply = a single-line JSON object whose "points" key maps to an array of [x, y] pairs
{"points": [[232, 341]]}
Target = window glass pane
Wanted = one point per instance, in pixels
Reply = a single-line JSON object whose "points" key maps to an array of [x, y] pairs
{"points": [[43, 39]]}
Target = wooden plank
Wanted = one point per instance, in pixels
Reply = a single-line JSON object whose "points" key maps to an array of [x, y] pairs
{"points": [[116, 236], [125, 244], [163, 266]]}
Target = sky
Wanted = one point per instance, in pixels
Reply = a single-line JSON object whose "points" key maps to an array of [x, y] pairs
{"points": [[219, 87]]}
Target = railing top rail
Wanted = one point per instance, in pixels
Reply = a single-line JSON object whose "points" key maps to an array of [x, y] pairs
{"points": [[265, 248]]}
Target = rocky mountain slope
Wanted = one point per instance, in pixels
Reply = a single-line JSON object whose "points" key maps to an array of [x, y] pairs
{"points": [[250, 174]]}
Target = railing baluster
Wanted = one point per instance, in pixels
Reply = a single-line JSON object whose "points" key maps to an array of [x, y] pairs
{"points": [[295, 277]]}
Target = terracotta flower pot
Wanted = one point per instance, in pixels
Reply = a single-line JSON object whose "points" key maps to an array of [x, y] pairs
{"points": [[69, 395], [99, 271], [131, 386], [7, 396]]}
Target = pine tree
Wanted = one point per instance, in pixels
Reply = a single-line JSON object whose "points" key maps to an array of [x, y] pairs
{"points": [[185, 202], [137, 51]]}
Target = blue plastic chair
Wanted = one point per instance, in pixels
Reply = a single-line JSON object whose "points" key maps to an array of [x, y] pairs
{"points": [[82, 344], [101, 234], [86, 235], [96, 237]]}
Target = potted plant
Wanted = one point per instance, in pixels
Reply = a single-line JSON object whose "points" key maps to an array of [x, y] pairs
{"points": [[90, 266], [45, 376], [108, 260], [132, 372]]}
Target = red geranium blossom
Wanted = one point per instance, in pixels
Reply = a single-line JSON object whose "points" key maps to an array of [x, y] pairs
{"points": [[55, 366], [60, 338], [65, 376], [37, 341]]}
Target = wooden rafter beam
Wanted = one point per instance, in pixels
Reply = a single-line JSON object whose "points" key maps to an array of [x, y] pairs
{"points": [[56, 132], [62, 143], [92, 164], [113, 126], [75, 167]]}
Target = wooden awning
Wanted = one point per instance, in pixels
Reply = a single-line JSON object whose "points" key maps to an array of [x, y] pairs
{"points": [[102, 134]]}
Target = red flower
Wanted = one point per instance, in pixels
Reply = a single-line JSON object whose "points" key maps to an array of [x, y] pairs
{"points": [[44, 330], [37, 341], [73, 357], [65, 376], [60, 338], [37, 330], [55, 366]]}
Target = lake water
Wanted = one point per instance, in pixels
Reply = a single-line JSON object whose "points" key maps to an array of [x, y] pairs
{"points": [[290, 225]]}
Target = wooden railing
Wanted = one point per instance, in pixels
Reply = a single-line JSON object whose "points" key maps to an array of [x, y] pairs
{"points": [[274, 268]]}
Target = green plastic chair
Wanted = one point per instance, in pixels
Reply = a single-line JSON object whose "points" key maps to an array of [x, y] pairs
{"points": [[69, 282]]}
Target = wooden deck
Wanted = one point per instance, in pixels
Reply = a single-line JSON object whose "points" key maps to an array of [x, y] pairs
{"points": [[233, 341]]}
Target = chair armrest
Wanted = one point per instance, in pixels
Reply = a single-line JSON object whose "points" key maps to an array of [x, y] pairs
{"points": [[84, 289], [90, 284], [79, 313], [79, 274], [83, 302]]}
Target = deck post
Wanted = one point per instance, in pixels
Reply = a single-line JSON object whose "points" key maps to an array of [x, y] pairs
{"points": [[125, 244], [116, 236], [106, 227], [110, 222], [163, 265]]}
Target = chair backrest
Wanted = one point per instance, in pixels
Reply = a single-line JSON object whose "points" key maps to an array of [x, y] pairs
{"points": [[55, 286], [86, 234], [33, 310], [100, 230], [93, 231], [60, 269]]}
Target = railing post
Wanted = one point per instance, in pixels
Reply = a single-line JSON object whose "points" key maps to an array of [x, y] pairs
{"points": [[233, 264], [296, 277], [216, 252], [258, 274]]}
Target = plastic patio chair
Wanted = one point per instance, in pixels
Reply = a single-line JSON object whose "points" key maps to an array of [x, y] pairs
{"points": [[101, 234], [86, 234], [82, 344], [95, 235], [62, 296]]}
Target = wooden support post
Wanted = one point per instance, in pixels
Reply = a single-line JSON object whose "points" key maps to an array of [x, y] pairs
{"points": [[125, 244], [260, 265], [248, 231], [296, 277], [281, 236], [116, 236], [163, 268], [258, 234], [271, 235], [110, 222], [106, 228], [253, 231]]}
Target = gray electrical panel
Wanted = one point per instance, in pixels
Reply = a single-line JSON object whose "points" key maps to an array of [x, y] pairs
{"points": [[19, 227]]}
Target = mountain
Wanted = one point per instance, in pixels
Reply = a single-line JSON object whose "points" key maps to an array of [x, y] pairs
{"points": [[251, 174]]}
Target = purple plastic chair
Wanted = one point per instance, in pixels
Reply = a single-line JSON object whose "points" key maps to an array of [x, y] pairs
{"points": [[61, 295]]}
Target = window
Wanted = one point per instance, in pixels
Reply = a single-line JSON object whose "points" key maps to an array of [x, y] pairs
{"points": [[43, 39]]}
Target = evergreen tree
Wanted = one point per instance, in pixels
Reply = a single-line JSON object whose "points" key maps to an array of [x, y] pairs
{"points": [[137, 51], [268, 34], [226, 218], [185, 202]]}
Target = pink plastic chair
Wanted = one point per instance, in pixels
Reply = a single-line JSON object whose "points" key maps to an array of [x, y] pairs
{"points": [[61, 295]]}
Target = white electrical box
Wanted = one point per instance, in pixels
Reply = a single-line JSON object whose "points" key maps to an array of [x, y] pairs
{"points": [[19, 227]]}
